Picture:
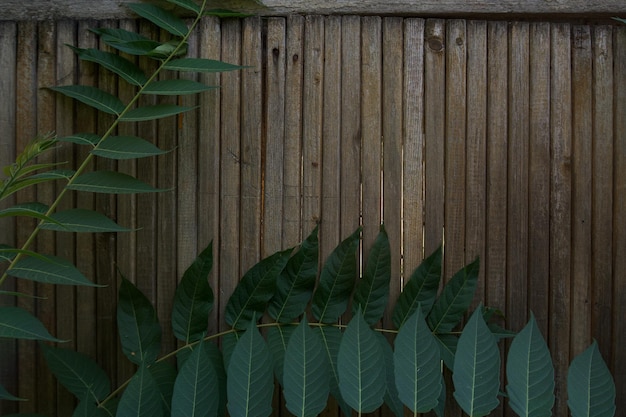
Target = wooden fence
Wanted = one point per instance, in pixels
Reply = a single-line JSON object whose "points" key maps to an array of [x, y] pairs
{"points": [[506, 140]]}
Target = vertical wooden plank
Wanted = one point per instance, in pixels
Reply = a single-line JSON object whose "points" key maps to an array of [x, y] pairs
{"points": [[393, 39], [476, 149], [454, 150], [413, 157], [230, 170], [582, 72], [274, 127], [602, 193], [517, 187], [539, 175], [560, 209], [435, 127], [251, 144]]}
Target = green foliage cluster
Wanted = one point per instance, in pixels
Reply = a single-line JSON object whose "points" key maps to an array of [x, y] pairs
{"points": [[302, 345]]}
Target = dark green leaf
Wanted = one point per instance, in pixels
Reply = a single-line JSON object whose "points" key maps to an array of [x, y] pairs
{"points": [[17, 323], [111, 182], [7, 253], [391, 394], [89, 408], [200, 65], [168, 49], [229, 341], [126, 147], [35, 210], [175, 87], [49, 269], [331, 340], [186, 4], [126, 41], [82, 139], [115, 63], [160, 17], [93, 97], [447, 348], [141, 397], [158, 111], [6, 395], [164, 376], [82, 220], [277, 340]]}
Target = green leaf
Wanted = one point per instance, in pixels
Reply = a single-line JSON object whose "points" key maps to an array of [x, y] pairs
{"points": [[620, 19], [372, 290], [229, 341], [417, 364], [530, 374], [590, 386], [111, 182], [193, 299], [88, 408], [391, 394], [6, 395], [277, 340], [138, 325], [158, 111], [250, 384], [17, 323], [164, 376], [93, 97], [476, 373], [126, 41], [141, 397], [175, 87], [421, 289], [360, 368], [331, 340], [447, 348], [200, 65], [454, 300], [160, 17], [196, 391], [82, 220], [115, 63], [51, 270], [306, 373], [35, 179], [126, 147], [336, 281], [186, 4], [255, 289], [295, 284], [35, 210], [82, 139], [168, 49], [77, 372]]}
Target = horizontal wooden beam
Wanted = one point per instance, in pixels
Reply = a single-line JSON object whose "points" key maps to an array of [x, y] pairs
{"points": [[107, 9]]}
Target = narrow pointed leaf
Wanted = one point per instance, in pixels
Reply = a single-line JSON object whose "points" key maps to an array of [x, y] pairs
{"points": [[111, 182], [138, 325], [590, 386], [17, 323], [454, 300], [51, 270], [331, 340], [158, 111], [193, 299], [164, 376], [6, 395], [530, 373], [82, 220], [476, 373], [40, 178], [250, 384], [7, 253], [372, 291], [93, 97], [255, 290], [295, 284], [82, 139], [126, 147], [35, 210], [421, 289], [306, 373], [337, 280], [200, 65], [141, 397], [126, 41], [80, 374], [175, 87], [186, 4], [160, 17], [391, 394], [417, 364], [361, 371], [277, 340], [115, 63]]}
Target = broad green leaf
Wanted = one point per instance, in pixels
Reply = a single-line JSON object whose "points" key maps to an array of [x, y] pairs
{"points": [[372, 290], [217, 359], [126, 147], [200, 65], [530, 374], [158, 111], [186, 4], [196, 391], [255, 290], [164, 376], [141, 397], [306, 373], [193, 299], [454, 300], [331, 340], [160, 17], [277, 340], [77, 372], [82, 220], [229, 341], [49, 269], [93, 97], [115, 63], [250, 384], [138, 325], [6, 395], [447, 348], [175, 87], [417, 364], [126, 41], [17, 323], [391, 394], [295, 284], [337, 280], [82, 139], [590, 386], [111, 182], [360, 368], [420, 289], [476, 373]]}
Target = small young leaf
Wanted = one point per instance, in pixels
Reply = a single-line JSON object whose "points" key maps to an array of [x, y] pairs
{"points": [[51, 270], [82, 220], [17, 323], [141, 397], [93, 97], [200, 65], [126, 147], [160, 17], [175, 87], [115, 63], [111, 182], [158, 111]]}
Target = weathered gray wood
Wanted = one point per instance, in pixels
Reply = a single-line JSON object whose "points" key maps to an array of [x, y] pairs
{"points": [[59, 9]]}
